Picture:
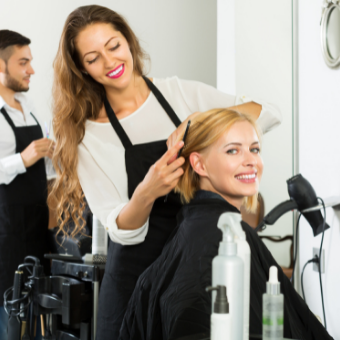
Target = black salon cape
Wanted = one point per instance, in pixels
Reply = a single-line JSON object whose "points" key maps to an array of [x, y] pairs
{"points": [[170, 301]]}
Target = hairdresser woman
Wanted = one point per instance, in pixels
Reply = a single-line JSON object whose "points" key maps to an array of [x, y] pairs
{"points": [[116, 133]]}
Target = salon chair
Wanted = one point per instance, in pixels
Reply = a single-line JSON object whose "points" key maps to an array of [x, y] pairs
{"points": [[288, 271]]}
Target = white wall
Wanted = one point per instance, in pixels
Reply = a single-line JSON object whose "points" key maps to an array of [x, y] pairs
{"points": [[226, 62], [262, 55], [180, 37], [319, 159]]}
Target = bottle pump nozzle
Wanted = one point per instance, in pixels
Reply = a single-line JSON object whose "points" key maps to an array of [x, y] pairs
{"points": [[221, 305], [273, 285]]}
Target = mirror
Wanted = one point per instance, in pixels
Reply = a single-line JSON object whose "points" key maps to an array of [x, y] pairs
{"points": [[240, 51], [330, 35]]}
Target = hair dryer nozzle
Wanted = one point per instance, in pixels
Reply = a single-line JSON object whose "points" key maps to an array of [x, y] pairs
{"points": [[302, 192]]}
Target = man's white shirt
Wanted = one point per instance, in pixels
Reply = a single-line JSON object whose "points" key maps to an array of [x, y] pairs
{"points": [[11, 163]]}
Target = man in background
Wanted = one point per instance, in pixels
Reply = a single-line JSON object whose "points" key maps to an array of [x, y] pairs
{"points": [[24, 214]]}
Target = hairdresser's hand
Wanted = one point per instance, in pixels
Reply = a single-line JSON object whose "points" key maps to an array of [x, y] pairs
{"points": [[38, 149], [178, 134], [163, 176]]}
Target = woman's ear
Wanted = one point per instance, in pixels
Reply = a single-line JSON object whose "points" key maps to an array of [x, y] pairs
{"points": [[197, 163]]}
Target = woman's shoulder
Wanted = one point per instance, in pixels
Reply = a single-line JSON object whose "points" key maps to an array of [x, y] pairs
{"points": [[167, 84], [187, 92], [175, 81], [97, 136]]}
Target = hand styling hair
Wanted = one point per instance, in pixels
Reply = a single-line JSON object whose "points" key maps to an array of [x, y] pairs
{"points": [[204, 131], [76, 98]]}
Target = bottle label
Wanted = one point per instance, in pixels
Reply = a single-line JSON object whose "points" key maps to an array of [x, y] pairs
{"points": [[272, 334], [272, 322]]}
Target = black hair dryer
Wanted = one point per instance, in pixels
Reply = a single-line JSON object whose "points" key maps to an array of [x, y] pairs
{"points": [[302, 196]]}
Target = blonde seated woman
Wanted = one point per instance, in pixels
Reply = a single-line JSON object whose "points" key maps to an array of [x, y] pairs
{"points": [[222, 171]]}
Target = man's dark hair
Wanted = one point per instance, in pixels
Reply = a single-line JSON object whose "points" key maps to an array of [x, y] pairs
{"points": [[10, 38]]}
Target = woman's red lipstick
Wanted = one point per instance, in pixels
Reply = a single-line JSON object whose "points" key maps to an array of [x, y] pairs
{"points": [[117, 72]]}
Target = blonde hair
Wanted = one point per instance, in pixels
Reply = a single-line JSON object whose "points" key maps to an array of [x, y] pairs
{"points": [[204, 131], [76, 98]]}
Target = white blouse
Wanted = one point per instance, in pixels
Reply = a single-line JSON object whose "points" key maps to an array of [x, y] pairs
{"points": [[101, 160]]}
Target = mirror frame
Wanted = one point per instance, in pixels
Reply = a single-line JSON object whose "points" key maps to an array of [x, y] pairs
{"points": [[327, 11]]}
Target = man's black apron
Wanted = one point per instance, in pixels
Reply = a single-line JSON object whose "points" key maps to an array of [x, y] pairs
{"points": [[23, 210], [126, 263]]}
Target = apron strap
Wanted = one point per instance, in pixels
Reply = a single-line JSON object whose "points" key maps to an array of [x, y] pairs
{"points": [[34, 118], [10, 121], [8, 118], [119, 129], [116, 125], [166, 106]]}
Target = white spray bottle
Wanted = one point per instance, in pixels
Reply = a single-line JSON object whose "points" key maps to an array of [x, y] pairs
{"points": [[228, 270], [233, 222]]}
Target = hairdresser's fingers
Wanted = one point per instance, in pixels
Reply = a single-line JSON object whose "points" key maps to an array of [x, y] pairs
{"points": [[172, 139], [175, 176], [49, 153], [41, 151], [173, 158], [44, 144], [179, 132], [52, 144], [177, 163], [168, 142], [173, 151]]}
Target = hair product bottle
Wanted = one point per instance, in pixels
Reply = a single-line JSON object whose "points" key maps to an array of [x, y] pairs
{"points": [[220, 318], [272, 321], [228, 270], [233, 221], [99, 243], [99, 237]]}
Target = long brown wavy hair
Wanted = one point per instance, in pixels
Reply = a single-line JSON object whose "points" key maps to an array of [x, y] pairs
{"points": [[205, 130], [76, 98]]}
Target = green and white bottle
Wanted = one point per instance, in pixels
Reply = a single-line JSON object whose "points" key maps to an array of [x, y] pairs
{"points": [[272, 319]]}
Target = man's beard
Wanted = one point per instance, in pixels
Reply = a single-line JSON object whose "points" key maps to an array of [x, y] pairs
{"points": [[13, 84]]}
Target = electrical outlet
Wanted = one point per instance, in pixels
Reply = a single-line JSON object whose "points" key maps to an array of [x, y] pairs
{"points": [[316, 251]]}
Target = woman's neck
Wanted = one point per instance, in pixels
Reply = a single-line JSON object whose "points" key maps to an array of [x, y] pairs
{"points": [[126, 101], [234, 201]]}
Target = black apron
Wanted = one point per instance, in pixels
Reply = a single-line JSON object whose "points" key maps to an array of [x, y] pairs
{"points": [[23, 210], [126, 263]]}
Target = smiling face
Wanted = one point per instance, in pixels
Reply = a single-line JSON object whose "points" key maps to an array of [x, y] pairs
{"points": [[232, 166], [15, 73], [105, 55]]}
